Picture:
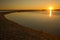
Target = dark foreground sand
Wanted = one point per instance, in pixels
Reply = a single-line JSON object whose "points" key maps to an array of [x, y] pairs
{"points": [[12, 31]]}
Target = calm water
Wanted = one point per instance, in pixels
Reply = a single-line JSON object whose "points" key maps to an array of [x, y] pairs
{"points": [[38, 20]]}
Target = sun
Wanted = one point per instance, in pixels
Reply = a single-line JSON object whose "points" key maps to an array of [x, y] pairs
{"points": [[50, 8]]}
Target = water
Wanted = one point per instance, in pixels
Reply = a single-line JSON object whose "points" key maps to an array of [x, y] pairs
{"points": [[38, 20]]}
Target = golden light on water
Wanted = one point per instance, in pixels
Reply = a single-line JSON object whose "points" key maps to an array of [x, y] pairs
{"points": [[50, 9], [50, 12]]}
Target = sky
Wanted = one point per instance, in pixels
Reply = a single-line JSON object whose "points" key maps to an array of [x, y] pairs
{"points": [[29, 4]]}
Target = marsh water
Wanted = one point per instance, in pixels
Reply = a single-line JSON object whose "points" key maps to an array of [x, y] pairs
{"points": [[38, 20]]}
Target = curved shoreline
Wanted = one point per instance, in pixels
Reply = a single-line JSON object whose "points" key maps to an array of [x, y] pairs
{"points": [[11, 31]]}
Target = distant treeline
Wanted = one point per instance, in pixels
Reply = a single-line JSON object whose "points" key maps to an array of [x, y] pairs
{"points": [[30, 10]]}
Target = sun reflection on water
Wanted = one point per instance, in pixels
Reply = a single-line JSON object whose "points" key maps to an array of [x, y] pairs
{"points": [[50, 12]]}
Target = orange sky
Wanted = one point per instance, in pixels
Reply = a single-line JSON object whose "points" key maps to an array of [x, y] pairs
{"points": [[29, 4]]}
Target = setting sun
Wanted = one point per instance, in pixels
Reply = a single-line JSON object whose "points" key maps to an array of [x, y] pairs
{"points": [[50, 8]]}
